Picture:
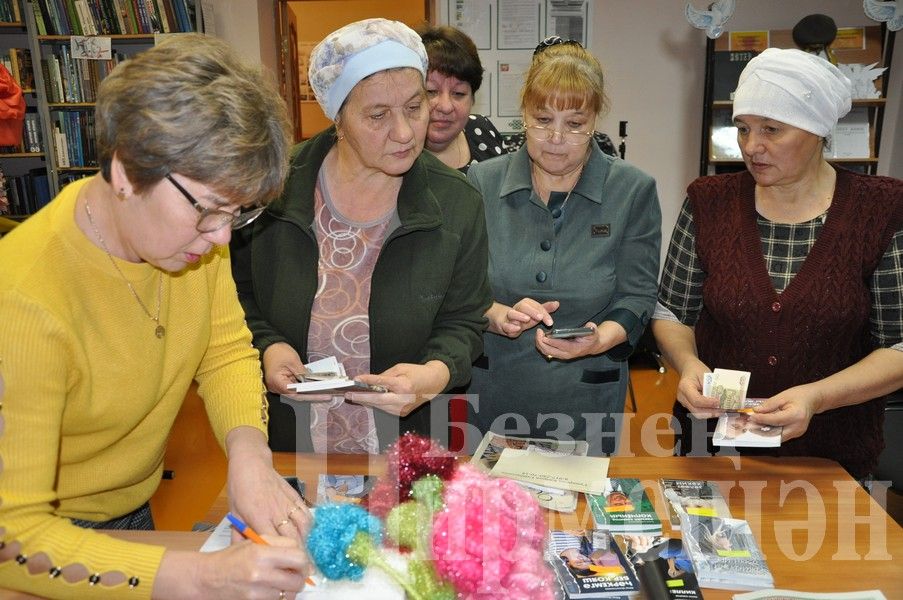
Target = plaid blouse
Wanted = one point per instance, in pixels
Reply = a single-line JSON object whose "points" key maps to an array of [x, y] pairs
{"points": [[785, 247]]}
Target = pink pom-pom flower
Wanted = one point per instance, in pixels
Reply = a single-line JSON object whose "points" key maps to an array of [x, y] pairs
{"points": [[488, 540]]}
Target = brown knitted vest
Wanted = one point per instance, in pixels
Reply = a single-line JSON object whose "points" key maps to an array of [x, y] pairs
{"points": [[817, 326]]}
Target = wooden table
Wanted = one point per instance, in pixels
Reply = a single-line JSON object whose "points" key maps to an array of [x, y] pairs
{"points": [[819, 530]]}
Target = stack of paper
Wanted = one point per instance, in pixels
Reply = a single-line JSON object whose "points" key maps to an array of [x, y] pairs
{"points": [[549, 497], [326, 375], [576, 473]]}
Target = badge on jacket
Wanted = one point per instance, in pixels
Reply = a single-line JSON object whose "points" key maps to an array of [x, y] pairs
{"points": [[600, 229]]}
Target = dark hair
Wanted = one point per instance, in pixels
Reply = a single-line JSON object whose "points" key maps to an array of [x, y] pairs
{"points": [[452, 52]]}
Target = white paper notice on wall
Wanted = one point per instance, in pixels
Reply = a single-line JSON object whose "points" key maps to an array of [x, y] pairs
{"points": [[850, 138]]}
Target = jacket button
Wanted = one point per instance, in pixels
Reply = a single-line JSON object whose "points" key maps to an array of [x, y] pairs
{"points": [[541, 276], [776, 307], [772, 360], [545, 245]]}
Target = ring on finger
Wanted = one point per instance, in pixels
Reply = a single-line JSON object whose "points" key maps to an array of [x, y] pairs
{"points": [[283, 522], [282, 595], [549, 357]]}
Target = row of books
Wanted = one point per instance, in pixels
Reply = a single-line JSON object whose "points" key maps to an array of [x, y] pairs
{"points": [[18, 62], [715, 551], [9, 11], [27, 193], [113, 17], [31, 137], [74, 138], [68, 79]]}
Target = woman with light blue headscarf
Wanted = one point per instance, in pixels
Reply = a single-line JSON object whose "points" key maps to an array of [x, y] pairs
{"points": [[376, 254]]}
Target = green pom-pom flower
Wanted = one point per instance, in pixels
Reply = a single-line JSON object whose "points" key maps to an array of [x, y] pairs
{"points": [[408, 525], [428, 491]]}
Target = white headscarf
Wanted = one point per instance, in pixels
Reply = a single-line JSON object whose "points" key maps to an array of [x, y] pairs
{"points": [[794, 87]]}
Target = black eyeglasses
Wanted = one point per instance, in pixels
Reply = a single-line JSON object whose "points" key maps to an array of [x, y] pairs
{"points": [[554, 40], [214, 219]]}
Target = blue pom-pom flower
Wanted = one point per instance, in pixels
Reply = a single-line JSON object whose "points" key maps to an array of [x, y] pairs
{"points": [[334, 528]]}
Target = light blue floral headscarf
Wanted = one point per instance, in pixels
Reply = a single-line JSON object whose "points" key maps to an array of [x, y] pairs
{"points": [[358, 50]]}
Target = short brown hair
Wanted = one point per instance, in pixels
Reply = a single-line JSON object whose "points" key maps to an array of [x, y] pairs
{"points": [[452, 52], [190, 106], [565, 76]]}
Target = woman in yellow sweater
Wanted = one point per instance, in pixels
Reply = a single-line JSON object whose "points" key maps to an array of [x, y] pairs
{"points": [[113, 299]]}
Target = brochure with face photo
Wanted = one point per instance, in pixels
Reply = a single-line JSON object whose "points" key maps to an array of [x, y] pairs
{"points": [[736, 429]]}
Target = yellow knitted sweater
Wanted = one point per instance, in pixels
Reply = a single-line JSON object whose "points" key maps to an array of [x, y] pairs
{"points": [[91, 394]]}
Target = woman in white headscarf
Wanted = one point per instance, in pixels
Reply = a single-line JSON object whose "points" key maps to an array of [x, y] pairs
{"points": [[789, 270], [376, 253]]}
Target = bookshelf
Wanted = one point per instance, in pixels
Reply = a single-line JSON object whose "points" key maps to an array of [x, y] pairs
{"points": [[62, 97], [857, 141], [23, 166]]}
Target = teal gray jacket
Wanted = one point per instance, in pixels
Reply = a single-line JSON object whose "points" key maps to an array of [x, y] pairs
{"points": [[428, 293], [598, 255]]}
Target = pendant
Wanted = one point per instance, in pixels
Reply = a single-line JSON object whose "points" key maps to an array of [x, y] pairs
{"points": [[161, 331]]}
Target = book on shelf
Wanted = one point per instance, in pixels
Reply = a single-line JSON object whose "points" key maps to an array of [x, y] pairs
{"points": [[589, 564], [794, 595], [724, 553], [490, 449], [726, 68], [567, 472], [662, 566], [694, 496], [623, 505]]}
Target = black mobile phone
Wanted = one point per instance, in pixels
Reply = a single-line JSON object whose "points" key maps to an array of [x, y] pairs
{"points": [[561, 333]]}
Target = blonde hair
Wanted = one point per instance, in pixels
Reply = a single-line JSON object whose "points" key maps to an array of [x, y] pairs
{"points": [[190, 106], [564, 77]]}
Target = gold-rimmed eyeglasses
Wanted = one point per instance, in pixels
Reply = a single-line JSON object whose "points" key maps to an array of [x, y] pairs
{"points": [[214, 219], [541, 133]]}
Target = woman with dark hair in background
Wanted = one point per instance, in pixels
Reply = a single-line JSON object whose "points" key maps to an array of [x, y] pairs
{"points": [[455, 73]]}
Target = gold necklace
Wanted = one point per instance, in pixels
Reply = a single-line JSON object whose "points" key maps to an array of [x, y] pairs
{"points": [[160, 331]]}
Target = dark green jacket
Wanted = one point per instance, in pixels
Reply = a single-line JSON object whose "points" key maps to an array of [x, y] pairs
{"points": [[428, 293]]}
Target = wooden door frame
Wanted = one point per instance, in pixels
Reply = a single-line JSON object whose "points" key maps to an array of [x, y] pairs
{"points": [[287, 59]]}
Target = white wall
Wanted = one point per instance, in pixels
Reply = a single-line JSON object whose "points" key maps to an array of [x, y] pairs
{"points": [[654, 63]]}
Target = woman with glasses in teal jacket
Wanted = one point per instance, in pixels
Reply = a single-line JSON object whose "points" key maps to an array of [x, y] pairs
{"points": [[574, 238]]}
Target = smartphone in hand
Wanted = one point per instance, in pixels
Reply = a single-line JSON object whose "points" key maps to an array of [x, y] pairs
{"points": [[564, 333]]}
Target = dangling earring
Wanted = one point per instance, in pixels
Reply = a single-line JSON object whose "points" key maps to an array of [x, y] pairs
{"points": [[121, 194]]}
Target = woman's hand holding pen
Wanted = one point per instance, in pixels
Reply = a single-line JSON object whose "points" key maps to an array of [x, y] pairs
{"points": [[243, 570]]}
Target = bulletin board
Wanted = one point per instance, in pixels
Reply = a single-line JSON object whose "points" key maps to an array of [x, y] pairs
{"points": [[506, 32]]}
